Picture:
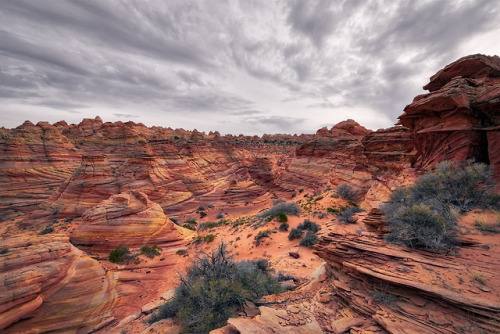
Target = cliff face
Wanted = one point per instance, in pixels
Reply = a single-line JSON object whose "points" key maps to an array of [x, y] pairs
{"points": [[460, 117]]}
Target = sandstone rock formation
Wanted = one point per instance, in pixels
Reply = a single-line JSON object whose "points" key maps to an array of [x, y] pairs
{"points": [[125, 220], [52, 285], [412, 291], [459, 119]]}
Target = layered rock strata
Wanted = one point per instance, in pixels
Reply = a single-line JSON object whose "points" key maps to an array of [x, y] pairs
{"points": [[53, 286], [460, 118], [412, 291], [125, 220]]}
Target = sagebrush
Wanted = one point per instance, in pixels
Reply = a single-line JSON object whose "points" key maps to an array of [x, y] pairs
{"points": [[425, 215], [214, 288]]}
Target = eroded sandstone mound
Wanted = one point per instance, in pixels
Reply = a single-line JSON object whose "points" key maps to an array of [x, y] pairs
{"points": [[125, 220], [460, 117], [53, 285]]}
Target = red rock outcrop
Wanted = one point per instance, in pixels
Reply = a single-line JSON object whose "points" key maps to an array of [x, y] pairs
{"points": [[34, 160], [125, 220], [412, 291], [52, 285], [459, 119]]}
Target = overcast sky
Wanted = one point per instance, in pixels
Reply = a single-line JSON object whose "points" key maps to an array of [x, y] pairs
{"points": [[245, 66]]}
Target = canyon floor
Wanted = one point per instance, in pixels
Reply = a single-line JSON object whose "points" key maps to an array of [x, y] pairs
{"points": [[70, 194]]}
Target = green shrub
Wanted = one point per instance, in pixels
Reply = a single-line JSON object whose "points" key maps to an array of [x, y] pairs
{"points": [[119, 255], [150, 252], [214, 288], [309, 226], [285, 208], [425, 214], [281, 217], [345, 215], [4, 251], [48, 229], [309, 240], [284, 226], [295, 233], [348, 192], [261, 235]]}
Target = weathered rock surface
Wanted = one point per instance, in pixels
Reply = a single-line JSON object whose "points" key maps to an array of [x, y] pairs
{"points": [[126, 220], [411, 291], [295, 320], [459, 119], [53, 286]]}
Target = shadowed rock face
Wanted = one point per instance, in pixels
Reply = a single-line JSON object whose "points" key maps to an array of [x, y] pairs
{"points": [[55, 285], [125, 220], [460, 117]]}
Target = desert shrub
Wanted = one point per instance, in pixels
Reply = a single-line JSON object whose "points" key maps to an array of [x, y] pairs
{"points": [[487, 227], [284, 226], [201, 208], [207, 225], [48, 229], [425, 214], [384, 297], [285, 277], [464, 186], [309, 226], [281, 217], [119, 255], [207, 238], [220, 215], [261, 235], [174, 220], [214, 287], [345, 215], [295, 233], [348, 192], [4, 251], [285, 208], [309, 240], [203, 214], [150, 252]]}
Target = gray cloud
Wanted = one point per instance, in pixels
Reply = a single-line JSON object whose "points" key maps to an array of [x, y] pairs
{"points": [[234, 66]]}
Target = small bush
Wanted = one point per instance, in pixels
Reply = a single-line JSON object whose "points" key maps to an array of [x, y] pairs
{"points": [[214, 287], [281, 217], [220, 215], [285, 208], [119, 255], [295, 233], [4, 251], [426, 214], [309, 226], [203, 214], [286, 277], [346, 215], [384, 297], [347, 192], [150, 252], [487, 227], [284, 226], [201, 208], [48, 229], [207, 238], [309, 240], [261, 235]]}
